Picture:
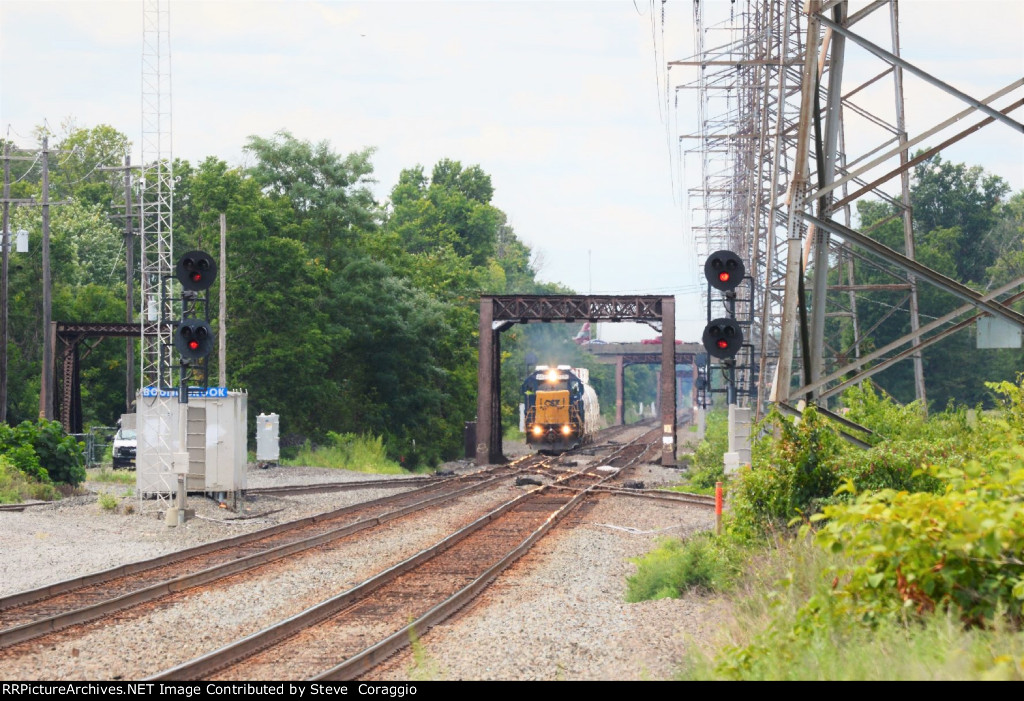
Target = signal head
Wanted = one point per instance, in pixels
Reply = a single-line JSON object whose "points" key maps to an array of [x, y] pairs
{"points": [[193, 339], [724, 270], [723, 338], [196, 271]]}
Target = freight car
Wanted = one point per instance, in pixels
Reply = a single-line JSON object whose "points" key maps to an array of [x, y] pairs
{"points": [[561, 408]]}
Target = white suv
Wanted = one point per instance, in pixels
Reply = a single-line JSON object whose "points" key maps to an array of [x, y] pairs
{"points": [[124, 448]]}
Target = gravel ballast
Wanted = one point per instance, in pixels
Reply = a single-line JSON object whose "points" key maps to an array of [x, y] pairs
{"points": [[558, 613]]}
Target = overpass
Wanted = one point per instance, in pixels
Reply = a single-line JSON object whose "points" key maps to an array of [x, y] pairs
{"points": [[624, 354]]}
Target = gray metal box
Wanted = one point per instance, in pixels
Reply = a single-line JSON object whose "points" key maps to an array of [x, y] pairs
{"points": [[997, 333], [268, 427], [215, 437]]}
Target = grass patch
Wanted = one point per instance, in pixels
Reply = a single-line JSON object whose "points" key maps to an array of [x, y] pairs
{"points": [[347, 451], [687, 487], [423, 667], [703, 563], [16, 487], [775, 635], [107, 502], [105, 474]]}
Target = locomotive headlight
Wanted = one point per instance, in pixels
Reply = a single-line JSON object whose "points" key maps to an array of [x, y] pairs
{"points": [[552, 375], [538, 430], [566, 430]]}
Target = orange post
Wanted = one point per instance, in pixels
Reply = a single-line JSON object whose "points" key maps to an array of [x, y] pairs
{"points": [[718, 508]]}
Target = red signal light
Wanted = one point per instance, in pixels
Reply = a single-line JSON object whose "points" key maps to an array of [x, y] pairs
{"points": [[193, 339], [722, 338], [724, 270], [196, 271]]}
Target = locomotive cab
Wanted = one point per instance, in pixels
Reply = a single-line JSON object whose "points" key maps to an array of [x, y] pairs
{"points": [[556, 410]]}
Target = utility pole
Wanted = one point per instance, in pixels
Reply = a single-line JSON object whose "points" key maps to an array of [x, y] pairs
{"points": [[46, 391], [6, 239], [129, 278], [222, 322]]}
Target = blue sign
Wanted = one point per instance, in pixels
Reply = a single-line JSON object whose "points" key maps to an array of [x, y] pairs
{"points": [[192, 392]]}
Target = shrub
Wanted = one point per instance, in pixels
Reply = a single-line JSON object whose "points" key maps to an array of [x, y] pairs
{"points": [[897, 464], [703, 563], [792, 472], [919, 552], [15, 486], [43, 452], [348, 451], [107, 502], [881, 414], [709, 465]]}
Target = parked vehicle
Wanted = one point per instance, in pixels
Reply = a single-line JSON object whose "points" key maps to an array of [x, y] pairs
{"points": [[125, 444]]}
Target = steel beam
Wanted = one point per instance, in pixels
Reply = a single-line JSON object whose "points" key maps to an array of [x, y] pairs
{"points": [[865, 374], [914, 268], [931, 326], [498, 313], [620, 400], [485, 384], [668, 381], [895, 60]]}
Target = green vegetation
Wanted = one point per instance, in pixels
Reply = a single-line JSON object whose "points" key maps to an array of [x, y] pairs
{"points": [[16, 486], [373, 305], [762, 642], [702, 563], [36, 457], [107, 502], [104, 474], [902, 561], [424, 667], [348, 452], [708, 466]]}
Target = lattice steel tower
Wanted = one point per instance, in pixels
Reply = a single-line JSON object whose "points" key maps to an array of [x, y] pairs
{"points": [[157, 196]]}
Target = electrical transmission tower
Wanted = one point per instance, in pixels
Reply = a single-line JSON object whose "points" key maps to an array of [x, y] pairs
{"points": [[156, 197], [156, 266], [788, 141]]}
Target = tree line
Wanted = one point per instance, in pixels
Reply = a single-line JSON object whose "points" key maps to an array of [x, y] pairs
{"points": [[345, 313], [354, 315], [969, 227]]}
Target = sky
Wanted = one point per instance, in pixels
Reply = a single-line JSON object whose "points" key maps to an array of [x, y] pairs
{"points": [[567, 105]]}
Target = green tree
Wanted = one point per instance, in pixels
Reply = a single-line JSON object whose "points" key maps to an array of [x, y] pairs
{"points": [[329, 194], [87, 273], [451, 210], [964, 231]]}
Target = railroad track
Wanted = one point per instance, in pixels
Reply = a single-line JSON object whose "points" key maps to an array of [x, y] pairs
{"points": [[329, 641], [33, 616], [289, 489], [37, 612]]}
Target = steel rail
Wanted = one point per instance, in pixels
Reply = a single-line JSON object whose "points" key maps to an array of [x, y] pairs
{"points": [[50, 590], [345, 486], [234, 653], [374, 655], [34, 629], [660, 495]]}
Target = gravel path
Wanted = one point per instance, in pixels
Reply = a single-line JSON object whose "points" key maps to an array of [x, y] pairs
{"points": [[558, 613]]}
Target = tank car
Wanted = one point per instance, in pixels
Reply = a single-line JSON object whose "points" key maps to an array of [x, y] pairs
{"points": [[561, 408]]}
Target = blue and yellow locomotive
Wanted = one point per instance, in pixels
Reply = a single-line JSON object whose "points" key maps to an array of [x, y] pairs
{"points": [[561, 408]]}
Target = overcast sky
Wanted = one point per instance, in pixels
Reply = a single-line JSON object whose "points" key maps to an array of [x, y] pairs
{"points": [[562, 103]]}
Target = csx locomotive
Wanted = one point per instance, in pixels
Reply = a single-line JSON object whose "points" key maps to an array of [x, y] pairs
{"points": [[561, 409]]}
